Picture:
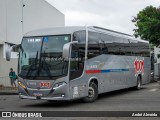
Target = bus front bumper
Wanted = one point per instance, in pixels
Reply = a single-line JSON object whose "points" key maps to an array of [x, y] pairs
{"points": [[43, 98], [57, 93]]}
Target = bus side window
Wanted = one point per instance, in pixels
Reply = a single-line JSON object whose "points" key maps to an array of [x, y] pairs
{"points": [[77, 61], [139, 48], [94, 50], [133, 48]]}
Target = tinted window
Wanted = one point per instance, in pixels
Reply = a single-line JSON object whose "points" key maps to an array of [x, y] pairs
{"points": [[94, 50], [99, 43], [139, 48], [116, 45], [77, 61]]}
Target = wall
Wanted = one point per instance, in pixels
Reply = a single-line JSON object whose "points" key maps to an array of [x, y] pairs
{"points": [[16, 20], [4, 68], [2, 21], [41, 14], [157, 52]]}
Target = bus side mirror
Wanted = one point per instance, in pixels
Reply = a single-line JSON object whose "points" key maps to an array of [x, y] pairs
{"points": [[66, 49], [8, 51], [155, 60], [8, 54]]}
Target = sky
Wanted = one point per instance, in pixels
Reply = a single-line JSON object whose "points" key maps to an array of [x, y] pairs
{"points": [[111, 14]]}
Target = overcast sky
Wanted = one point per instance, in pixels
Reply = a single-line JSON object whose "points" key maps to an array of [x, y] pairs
{"points": [[111, 14]]}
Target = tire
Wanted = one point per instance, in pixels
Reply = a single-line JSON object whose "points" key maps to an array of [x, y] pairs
{"points": [[139, 83], [92, 93]]}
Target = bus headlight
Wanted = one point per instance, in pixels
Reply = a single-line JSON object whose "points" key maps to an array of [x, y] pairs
{"points": [[59, 85], [22, 85]]}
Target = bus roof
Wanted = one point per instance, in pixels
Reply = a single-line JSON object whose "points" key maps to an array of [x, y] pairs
{"points": [[116, 33], [54, 31], [71, 30]]}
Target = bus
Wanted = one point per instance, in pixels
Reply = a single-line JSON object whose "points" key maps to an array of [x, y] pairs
{"points": [[68, 63]]}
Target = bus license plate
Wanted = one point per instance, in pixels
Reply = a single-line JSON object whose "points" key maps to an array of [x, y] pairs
{"points": [[37, 94], [45, 84]]}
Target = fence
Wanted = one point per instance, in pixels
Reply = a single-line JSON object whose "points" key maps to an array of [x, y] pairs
{"points": [[5, 82]]}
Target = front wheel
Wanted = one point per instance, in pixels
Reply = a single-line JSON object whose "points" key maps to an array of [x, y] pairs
{"points": [[92, 93]]}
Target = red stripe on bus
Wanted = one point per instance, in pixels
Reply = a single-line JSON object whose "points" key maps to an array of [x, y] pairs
{"points": [[92, 71]]}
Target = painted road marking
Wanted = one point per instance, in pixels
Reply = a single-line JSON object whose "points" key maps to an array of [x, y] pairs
{"points": [[153, 90]]}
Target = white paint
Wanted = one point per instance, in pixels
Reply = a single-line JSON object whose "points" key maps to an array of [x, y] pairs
{"points": [[153, 90], [16, 20]]}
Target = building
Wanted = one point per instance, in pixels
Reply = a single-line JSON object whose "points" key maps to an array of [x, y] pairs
{"points": [[157, 54], [156, 62], [17, 17]]}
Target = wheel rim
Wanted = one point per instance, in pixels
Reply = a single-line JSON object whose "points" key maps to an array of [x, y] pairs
{"points": [[91, 92]]}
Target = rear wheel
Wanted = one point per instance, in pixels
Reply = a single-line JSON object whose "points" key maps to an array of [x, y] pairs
{"points": [[92, 93], [139, 83]]}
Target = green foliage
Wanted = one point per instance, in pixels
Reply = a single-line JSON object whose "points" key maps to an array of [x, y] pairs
{"points": [[147, 22]]}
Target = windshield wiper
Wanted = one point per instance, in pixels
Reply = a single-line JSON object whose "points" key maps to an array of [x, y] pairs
{"points": [[43, 65], [33, 64], [46, 67]]}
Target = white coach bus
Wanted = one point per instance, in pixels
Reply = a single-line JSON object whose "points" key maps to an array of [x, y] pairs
{"points": [[68, 63]]}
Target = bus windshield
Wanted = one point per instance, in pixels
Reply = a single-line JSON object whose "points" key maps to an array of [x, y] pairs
{"points": [[41, 57]]}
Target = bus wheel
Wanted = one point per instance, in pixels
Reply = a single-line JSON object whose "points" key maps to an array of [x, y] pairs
{"points": [[138, 86], [92, 93]]}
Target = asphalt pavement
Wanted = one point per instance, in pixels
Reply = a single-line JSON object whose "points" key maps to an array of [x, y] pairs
{"points": [[146, 99]]}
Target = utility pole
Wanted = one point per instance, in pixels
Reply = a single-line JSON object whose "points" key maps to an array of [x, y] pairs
{"points": [[22, 21], [6, 19]]}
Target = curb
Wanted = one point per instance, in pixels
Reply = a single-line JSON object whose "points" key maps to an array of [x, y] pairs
{"points": [[8, 93]]}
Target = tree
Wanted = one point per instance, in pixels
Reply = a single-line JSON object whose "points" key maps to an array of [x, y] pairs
{"points": [[147, 22]]}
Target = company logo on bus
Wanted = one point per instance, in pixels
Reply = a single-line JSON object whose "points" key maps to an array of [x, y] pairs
{"points": [[45, 84], [139, 66]]}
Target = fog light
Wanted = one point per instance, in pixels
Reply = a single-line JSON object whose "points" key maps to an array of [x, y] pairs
{"points": [[62, 95]]}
